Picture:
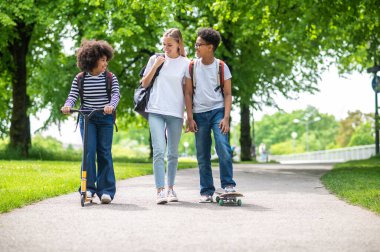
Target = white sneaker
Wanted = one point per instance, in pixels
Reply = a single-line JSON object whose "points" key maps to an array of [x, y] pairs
{"points": [[106, 199], [229, 189], [161, 198], [171, 196], [206, 199], [89, 195]]}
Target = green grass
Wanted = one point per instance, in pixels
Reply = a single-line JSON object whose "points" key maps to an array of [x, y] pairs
{"points": [[25, 182], [357, 182]]}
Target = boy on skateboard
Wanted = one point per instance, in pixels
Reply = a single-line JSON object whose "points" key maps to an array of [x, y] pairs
{"points": [[208, 105]]}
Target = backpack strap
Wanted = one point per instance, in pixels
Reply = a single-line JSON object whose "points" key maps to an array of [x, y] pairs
{"points": [[155, 74], [192, 72], [220, 77], [109, 77], [192, 76], [141, 74], [80, 84], [221, 74], [158, 69]]}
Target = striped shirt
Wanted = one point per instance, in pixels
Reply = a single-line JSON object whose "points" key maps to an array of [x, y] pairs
{"points": [[94, 92]]}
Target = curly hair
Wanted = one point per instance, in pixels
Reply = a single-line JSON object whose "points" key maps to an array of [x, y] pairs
{"points": [[210, 36], [90, 51]]}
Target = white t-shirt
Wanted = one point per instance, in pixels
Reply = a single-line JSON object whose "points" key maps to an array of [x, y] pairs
{"points": [[166, 96], [205, 98]]}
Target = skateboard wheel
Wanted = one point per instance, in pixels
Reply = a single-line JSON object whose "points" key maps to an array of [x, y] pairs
{"points": [[221, 202], [239, 202], [217, 199], [82, 199]]}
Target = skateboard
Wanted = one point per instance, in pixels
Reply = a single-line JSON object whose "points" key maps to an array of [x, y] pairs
{"points": [[228, 198]]}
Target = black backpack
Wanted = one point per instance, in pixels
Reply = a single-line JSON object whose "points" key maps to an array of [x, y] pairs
{"points": [[141, 95]]}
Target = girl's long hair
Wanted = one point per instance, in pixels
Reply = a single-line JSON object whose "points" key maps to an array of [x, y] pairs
{"points": [[175, 34]]}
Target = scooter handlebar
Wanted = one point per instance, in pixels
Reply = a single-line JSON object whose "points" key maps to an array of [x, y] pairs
{"points": [[82, 111]]}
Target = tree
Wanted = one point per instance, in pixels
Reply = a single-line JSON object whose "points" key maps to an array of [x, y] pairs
{"points": [[5, 104], [349, 30], [28, 30], [276, 130], [363, 135], [245, 134], [271, 49], [348, 128], [31, 49]]}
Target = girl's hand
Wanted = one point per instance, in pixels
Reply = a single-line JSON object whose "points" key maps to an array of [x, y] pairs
{"points": [[108, 109], [158, 61], [191, 126], [66, 110]]}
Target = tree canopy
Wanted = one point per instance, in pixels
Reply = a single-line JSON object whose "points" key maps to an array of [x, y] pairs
{"points": [[271, 47]]}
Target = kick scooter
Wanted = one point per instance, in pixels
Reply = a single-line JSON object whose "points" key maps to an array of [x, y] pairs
{"points": [[87, 114]]}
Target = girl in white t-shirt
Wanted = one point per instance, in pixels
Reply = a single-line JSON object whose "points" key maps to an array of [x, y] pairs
{"points": [[166, 109]]}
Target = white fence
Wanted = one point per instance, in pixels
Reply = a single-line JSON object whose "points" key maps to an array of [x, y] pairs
{"points": [[327, 156]]}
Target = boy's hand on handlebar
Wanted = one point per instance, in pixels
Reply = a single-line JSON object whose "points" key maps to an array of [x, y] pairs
{"points": [[108, 109], [66, 110]]}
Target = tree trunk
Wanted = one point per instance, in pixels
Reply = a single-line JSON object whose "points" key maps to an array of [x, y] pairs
{"points": [[253, 152], [20, 138], [245, 133]]}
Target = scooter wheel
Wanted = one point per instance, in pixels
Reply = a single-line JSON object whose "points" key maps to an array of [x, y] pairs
{"points": [[82, 199]]}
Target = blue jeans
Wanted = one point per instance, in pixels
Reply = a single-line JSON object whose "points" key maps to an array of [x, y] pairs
{"points": [[99, 144], [173, 125], [206, 122]]}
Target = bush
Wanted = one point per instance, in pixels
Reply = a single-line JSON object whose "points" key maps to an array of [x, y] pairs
{"points": [[285, 148], [362, 136], [49, 148], [43, 148]]}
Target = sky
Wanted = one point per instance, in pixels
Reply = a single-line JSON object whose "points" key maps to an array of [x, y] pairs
{"points": [[336, 97]]}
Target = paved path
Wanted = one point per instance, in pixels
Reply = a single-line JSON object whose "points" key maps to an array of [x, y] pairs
{"points": [[285, 209]]}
